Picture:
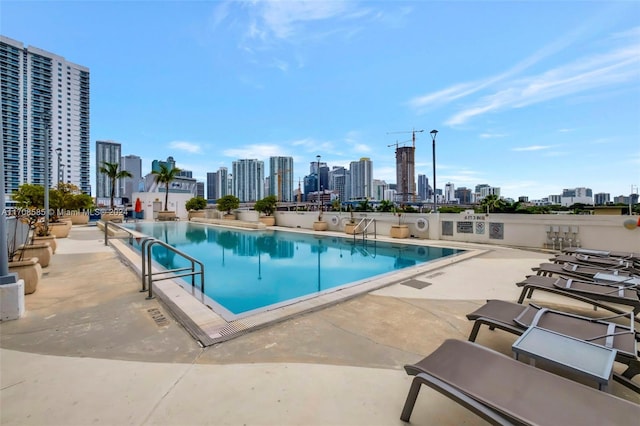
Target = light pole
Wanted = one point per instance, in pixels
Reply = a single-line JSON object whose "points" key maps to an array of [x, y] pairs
{"points": [[318, 174], [433, 139], [59, 152], [46, 173]]}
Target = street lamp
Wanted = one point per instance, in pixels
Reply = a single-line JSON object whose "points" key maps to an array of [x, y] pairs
{"points": [[318, 175], [59, 152], [433, 139]]}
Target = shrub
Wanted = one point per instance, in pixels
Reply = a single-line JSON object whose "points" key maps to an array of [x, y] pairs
{"points": [[228, 203], [267, 205], [196, 203]]}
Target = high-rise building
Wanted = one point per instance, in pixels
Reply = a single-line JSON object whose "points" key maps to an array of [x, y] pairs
{"points": [[450, 193], [361, 178], [170, 164], [248, 180], [463, 195], [601, 198], [132, 164], [200, 189], [45, 102], [339, 178], [106, 152], [281, 178], [405, 173], [217, 184], [423, 188], [575, 196]]}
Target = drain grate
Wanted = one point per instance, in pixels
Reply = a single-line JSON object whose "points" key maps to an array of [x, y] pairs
{"points": [[416, 284], [435, 274], [158, 317]]}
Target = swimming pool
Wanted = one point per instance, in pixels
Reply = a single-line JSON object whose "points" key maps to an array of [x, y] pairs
{"points": [[247, 271]]}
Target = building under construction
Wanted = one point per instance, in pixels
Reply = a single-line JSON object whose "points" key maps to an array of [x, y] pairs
{"points": [[405, 174]]}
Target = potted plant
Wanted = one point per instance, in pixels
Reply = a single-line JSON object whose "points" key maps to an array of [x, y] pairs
{"points": [[400, 230], [165, 176], [112, 172], [350, 227], [42, 234], [73, 204], [28, 269], [226, 204], [267, 206], [195, 206], [42, 251], [320, 225]]}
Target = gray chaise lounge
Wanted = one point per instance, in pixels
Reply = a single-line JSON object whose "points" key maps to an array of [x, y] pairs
{"points": [[515, 318], [504, 391]]}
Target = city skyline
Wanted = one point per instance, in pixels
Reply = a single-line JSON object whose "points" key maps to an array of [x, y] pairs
{"points": [[529, 111]]}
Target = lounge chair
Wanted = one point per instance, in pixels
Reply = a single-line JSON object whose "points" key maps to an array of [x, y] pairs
{"points": [[515, 318], [580, 271], [604, 253], [504, 391], [598, 262], [588, 291]]}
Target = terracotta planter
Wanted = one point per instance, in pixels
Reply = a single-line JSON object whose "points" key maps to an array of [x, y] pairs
{"points": [[350, 228], [268, 220], [320, 225], [51, 239], [196, 213], [78, 218], [59, 229], [399, 231], [165, 215], [112, 217], [41, 251], [28, 270]]}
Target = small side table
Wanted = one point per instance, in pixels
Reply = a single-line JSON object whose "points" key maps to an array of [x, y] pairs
{"points": [[575, 355]]}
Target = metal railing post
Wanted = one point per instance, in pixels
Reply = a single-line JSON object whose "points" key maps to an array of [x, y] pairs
{"points": [[106, 233]]}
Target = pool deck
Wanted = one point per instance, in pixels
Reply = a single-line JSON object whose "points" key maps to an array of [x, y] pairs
{"points": [[92, 350]]}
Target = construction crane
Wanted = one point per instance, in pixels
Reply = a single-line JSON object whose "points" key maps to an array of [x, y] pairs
{"points": [[398, 143], [413, 133]]}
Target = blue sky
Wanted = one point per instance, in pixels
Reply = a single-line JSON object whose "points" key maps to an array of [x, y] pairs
{"points": [[532, 97]]}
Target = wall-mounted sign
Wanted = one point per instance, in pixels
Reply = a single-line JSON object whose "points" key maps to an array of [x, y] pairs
{"points": [[464, 227]]}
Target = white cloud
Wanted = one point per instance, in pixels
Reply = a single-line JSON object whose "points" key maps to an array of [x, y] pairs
{"points": [[283, 19], [532, 148], [488, 135], [617, 66], [256, 151], [189, 147]]}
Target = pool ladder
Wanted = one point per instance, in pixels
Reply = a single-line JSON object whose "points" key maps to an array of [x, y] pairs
{"points": [[363, 225], [148, 277]]}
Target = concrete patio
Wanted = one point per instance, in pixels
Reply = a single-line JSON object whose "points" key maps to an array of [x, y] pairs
{"points": [[92, 350]]}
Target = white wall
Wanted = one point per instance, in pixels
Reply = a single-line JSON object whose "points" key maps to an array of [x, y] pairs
{"points": [[177, 203], [519, 230]]}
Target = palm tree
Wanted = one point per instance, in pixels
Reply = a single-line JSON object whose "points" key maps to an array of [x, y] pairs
{"points": [[492, 203], [165, 175], [112, 172]]}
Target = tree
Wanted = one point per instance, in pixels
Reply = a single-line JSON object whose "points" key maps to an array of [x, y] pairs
{"points": [[492, 203], [29, 196], [196, 203], [165, 176], [267, 205], [112, 172], [385, 206], [228, 203]]}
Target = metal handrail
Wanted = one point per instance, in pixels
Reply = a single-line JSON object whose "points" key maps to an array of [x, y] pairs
{"points": [[145, 249], [192, 274], [368, 222], [106, 233]]}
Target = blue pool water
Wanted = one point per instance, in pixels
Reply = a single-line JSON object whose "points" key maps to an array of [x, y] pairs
{"points": [[248, 270]]}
